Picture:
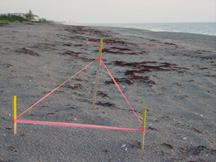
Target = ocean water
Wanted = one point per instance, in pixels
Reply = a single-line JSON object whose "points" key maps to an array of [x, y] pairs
{"points": [[196, 28]]}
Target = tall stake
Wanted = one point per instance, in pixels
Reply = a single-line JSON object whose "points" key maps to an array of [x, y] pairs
{"points": [[143, 127], [14, 115], [97, 75]]}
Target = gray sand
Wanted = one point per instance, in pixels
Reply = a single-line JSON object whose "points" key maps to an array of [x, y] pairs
{"points": [[179, 92]]}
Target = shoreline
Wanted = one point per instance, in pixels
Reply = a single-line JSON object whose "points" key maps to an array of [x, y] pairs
{"points": [[177, 90], [153, 27]]}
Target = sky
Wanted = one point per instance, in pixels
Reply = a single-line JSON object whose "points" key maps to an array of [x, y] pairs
{"points": [[116, 11]]}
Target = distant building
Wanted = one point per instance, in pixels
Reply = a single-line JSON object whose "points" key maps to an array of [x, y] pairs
{"points": [[11, 14], [35, 18]]}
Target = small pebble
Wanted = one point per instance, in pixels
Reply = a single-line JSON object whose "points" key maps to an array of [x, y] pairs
{"points": [[123, 86], [184, 138], [9, 114], [123, 145], [201, 115], [125, 149], [30, 81], [75, 118]]}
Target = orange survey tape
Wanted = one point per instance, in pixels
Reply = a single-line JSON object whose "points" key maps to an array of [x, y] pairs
{"points": [[122, 92], [74, 125], [78, 125], [142, 45], [55, 89], [144, 50]]}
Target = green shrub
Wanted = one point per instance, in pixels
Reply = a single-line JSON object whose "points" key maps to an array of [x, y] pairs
{"points": [[18, 18], [16, 21], [4, 21], [12, 18]]}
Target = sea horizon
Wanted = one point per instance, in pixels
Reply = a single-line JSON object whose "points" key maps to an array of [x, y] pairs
{"points": [[205, 28]]}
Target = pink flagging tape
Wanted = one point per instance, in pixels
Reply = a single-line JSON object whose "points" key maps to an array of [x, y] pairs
{"points": [[74, 125], [93, 42], [122, 93], [140, 45], [109, 44], [174, 45], [211, 44], [132, 49], [55, 89], [99, 58], [143, 50], [185, 54]]}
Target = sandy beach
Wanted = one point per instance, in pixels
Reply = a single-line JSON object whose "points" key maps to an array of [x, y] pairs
{"points": [[173, 75]]}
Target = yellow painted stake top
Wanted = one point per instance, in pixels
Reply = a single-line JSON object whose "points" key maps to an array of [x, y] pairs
{"points": [[14, 107], [14, 110], [143, 127], [143, 120], [100, 47], [97, 74]]}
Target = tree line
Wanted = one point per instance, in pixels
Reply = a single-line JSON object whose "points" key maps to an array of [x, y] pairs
{"points": [[28, 17]]}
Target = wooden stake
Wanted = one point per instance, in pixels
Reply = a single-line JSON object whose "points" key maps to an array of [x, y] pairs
{"points": [[143, 127], [14, 111], [97, 74]]}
